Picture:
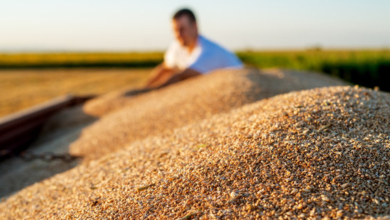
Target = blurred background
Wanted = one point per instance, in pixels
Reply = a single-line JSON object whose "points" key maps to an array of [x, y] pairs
{"points": [[51, 48]]}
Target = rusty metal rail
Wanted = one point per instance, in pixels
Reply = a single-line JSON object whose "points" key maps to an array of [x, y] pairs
{"points": [[19, 130]]}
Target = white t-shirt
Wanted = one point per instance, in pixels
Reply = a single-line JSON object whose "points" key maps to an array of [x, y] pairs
{"points": [[205, 57]]}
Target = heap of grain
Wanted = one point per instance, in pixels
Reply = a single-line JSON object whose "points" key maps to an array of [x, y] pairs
{"points": [[215, 93], [158, 112], [271, 82], [320, 153]]}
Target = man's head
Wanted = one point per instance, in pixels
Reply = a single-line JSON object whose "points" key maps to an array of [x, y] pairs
{"points": [[185, 27]]}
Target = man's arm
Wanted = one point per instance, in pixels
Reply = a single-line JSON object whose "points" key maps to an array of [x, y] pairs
{"points": [[174, 78], [158, 73]]}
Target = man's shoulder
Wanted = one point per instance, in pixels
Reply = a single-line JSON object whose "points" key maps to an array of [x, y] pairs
{"points": [[207, 43], [210, 46]]}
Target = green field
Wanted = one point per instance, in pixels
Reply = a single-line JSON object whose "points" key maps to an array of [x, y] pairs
{"points": [[368, 68]]}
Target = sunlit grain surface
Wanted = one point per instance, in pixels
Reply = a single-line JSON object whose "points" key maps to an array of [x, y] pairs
{"points": [[313, 154], [21, 89]]}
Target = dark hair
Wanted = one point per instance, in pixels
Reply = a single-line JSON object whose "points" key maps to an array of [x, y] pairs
{"points": [[185, 12]]}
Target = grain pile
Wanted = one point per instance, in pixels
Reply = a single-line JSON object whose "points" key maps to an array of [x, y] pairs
{"points": [[320, 153], [292, 81], [159, 112]]}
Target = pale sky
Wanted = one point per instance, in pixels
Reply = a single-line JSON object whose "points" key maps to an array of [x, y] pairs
{"points": [[119, 25]]}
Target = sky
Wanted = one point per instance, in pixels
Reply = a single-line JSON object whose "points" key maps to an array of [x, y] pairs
{"points": [[119, 25]]}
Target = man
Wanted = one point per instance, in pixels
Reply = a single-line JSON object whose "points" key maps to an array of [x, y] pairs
{"points": [[190, 54]]}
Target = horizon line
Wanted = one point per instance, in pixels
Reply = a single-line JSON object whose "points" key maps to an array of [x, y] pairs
{"points": [[43, 51]]}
